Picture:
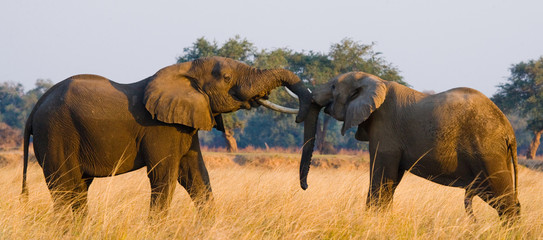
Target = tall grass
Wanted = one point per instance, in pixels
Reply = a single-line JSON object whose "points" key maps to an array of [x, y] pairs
{"points": [[260, 203]]}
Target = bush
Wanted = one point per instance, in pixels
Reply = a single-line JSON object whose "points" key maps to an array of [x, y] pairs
{"points": [[9, 137]]}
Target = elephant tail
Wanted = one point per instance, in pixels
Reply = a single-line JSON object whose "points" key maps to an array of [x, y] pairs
{"points": [[512, 145], [26, 143]]}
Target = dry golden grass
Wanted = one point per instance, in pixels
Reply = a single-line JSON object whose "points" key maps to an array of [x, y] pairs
{"points": [[254, 202]]}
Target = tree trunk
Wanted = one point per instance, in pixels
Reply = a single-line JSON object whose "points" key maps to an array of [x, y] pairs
{"points": [[231, 144], [534, 145]]}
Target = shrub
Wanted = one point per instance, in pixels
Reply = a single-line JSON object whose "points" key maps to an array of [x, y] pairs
{"points": [[9, 137]]}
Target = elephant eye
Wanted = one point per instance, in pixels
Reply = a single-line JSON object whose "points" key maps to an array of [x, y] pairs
{"points": [[227, 77], [354, 94]]}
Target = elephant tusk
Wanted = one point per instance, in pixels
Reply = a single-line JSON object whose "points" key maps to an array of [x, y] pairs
{"points": [[293, 95], [276, 107]]}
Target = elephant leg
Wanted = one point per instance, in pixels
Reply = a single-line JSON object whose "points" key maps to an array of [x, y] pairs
{"points": [[162, 177], [80, 203], [162, 188], [72, 193], [193, 175], [385, 175], [501, 196], [64, 178], [507, 210]]}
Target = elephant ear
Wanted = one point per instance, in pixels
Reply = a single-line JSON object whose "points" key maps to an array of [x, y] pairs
{"points": [[172, 97], [361, 134], [371, 94]]}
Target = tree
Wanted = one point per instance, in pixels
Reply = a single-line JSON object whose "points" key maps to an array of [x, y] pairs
{"points": [[200, 48], [9, 137], [235, 48], [31, 97], [12, 104], [523, 93], [15, 106]]}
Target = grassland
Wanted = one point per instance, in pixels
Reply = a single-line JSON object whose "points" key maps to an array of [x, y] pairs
{"points": [[261, 199]]}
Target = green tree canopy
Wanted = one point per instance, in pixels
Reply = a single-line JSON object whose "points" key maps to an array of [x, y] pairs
{"points": [[235, 48], [12, 104], [523, 94], [15, 104], [349, 56]]}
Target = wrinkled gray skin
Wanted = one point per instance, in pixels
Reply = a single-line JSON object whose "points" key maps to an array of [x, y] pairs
{"points": [[456, 138], [88, 126]]}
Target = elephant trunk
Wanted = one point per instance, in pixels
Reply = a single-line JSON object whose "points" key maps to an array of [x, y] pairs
{"points": [[263, 81], [304, 100], [310, 129]]}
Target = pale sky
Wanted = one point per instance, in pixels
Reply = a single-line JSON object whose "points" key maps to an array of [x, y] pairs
{"points": [[436, 44]]}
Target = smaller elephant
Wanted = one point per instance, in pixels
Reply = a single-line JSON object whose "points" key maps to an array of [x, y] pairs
{"points": [[456, 138]]}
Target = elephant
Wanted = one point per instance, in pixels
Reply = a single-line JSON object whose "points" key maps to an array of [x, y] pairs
{"points": [[88, 126], [457, 138]]}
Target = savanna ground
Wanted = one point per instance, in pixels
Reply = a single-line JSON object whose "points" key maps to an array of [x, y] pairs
{"points": [[257, 196]]}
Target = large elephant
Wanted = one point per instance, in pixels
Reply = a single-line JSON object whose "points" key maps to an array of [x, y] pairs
{"points": [[88, 126], [456, 138]]}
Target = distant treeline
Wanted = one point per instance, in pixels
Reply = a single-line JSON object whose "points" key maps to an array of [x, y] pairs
{"points": [[521, 97]]}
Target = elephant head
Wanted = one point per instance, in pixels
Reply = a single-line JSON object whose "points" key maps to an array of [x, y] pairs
{"points": [[193, 93], [351, 98]]}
